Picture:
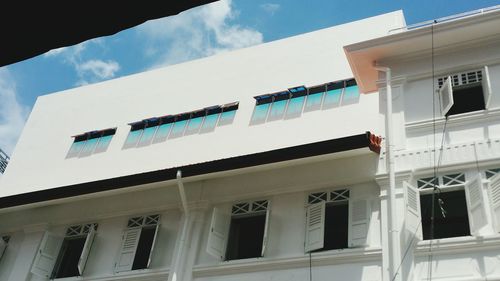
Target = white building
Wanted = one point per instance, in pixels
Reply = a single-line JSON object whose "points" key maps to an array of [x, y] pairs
{"points": [[265, 164]]}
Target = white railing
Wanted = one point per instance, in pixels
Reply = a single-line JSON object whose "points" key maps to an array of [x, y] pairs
{"points": [[445, 19]]}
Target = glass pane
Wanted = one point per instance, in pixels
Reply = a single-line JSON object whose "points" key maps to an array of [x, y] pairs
{"points": [[259, 115], [277, 110], [75, 149], [226, 118], [316, 197], [178, 129], [209, 123], [162, 133], [427, 182], [194, 125], [351, 95], [89, 147], [295, 107], [132, 138], [103, 144], [313, 101], [491, 172], [332, 98], [147, 136]]}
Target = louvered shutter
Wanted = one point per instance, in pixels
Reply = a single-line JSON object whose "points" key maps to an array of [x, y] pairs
{"points": [[486, 87], [359, 219], [315, 227], [413, 218], [475, 204], [3, 247], [47, 254], [157, 228], [128, 249], [82, 262], [218, 234], [494, 194], [446, 96], [266, 229]]}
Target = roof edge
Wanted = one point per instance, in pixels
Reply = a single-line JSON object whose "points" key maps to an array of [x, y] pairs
{"points": [[367, 139]]}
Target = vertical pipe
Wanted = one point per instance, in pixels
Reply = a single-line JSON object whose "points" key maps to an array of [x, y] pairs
{"points": [[393, 231], [176, 271]]}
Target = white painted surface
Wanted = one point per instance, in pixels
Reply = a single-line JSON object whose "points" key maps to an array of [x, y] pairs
{"points": [[39, 163]]}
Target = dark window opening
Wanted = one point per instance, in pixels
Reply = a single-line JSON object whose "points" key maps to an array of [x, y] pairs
{"points": [[69, 255], [456, 222], [246, 235], [467, 98], [336, 226], [144, 248]]}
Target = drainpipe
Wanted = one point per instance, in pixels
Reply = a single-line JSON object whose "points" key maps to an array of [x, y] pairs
{"points": [[393, 232], [176, 272]]}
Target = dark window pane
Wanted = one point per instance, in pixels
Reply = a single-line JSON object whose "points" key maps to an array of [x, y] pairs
{"points": [[336, 226], [67, 265], [144, 248], [456, 222], [467, 98], [245, 237]]}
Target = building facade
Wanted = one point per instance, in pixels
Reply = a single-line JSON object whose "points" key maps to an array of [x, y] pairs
{"points": [[267, 163]]}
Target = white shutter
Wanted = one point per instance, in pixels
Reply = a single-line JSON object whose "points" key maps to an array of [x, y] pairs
{"points": [[475, 204], [128, 249], [266, 229], [157, 228], [413, 218], [494, 194], [86, 250], [315, 227], [47, 254], [486, 87], [359, 219], [446, 96], [3, 247], [218, 234]]}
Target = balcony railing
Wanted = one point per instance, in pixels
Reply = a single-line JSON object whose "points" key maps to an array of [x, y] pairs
{"points": [[445, 19]]}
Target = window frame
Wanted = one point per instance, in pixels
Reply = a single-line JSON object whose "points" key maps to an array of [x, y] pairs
{"points": [[220, 225], [134, 226], [357, 205], [472, 187], [457, 81]]}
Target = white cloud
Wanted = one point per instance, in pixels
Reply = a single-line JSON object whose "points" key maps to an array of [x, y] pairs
{"points": [[99, 68], [270, 8], [199, 32], [13, 114], [87, 70]]}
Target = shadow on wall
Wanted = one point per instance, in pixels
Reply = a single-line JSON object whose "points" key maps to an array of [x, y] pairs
{"points": [[296, 101], [160, 129], [90, 143]]}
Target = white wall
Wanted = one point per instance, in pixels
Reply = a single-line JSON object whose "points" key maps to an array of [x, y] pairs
{"points": [[39, 163]]}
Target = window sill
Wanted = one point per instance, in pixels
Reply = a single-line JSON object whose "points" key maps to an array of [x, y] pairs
{"points": [[264, 264], [133, 275], [457, 245], [472, 117]]}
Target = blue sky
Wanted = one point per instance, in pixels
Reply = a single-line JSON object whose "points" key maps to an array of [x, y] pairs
{"points": [[203, 31]]}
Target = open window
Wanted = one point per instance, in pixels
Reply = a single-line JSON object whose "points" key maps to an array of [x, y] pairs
{"points": [[138, 242], [465, 92], [241, 234], [458, 206], [334, 220], [60, 257]]}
